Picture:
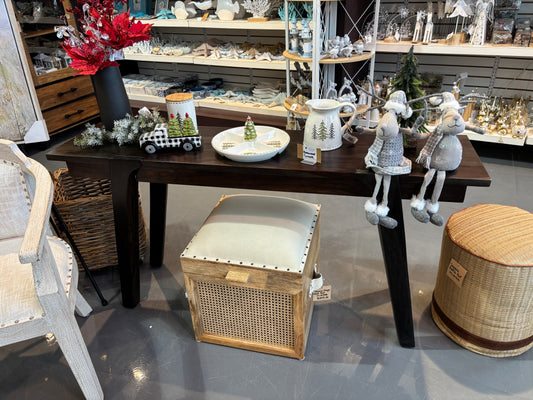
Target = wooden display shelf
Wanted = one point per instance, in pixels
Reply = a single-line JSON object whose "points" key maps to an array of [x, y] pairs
{"points": [[37, 32], [212, 103], [186, 59], [302, 110], [275, 25], [340, 60], [41, 20], [221, 62], [489, 50]]}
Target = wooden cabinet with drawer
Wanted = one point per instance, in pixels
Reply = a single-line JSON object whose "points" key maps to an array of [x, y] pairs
{"points": [[71, 114], [67, 103], [65, 100]]}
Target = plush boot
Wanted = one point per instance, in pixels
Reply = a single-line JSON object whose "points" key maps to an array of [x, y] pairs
{"points": [[417, 210], [434, 218], [370, 208], [384, 220]]}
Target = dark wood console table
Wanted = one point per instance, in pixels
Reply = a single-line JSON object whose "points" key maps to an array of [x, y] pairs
{"points": [[342, 172]]}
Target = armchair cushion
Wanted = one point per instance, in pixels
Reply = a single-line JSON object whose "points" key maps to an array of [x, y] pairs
{"points": [[18, 298], [13, 217]]}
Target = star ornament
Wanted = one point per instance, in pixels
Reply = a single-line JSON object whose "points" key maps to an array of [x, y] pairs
{"points": [[404, 12]]}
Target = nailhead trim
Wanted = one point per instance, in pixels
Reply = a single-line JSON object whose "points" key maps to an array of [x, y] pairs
{"points": [[304, 256]]}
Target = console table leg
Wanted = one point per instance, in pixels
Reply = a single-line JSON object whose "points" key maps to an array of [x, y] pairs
{"points": [[125, 194], [394, 251], [158, 217]]}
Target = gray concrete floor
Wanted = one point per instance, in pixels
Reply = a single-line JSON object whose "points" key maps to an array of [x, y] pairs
{"points": [[150, 352]]}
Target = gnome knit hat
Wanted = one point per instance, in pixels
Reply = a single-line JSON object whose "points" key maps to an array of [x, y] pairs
{"points": [[448, 101], [398, 103]]}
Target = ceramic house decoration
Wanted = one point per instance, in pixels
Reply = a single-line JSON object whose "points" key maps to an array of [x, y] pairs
{"points": [[293, 35], [249, 130], [306, 45]]}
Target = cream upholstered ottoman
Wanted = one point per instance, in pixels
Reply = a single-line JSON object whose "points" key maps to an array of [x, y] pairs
{"points": [[249, 274], [483, 298]]}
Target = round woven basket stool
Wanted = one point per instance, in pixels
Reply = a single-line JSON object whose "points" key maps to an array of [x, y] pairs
{"points": [[483, 298]]}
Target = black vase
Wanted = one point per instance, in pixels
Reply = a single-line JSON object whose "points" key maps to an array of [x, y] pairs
{"points": [[111, 96]]}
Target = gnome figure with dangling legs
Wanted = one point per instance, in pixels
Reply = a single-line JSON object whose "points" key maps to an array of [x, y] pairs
{"points": [[385, 158], [442, 152]]}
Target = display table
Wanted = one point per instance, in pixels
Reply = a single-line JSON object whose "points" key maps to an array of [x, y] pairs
{"points": [[342, 172]]}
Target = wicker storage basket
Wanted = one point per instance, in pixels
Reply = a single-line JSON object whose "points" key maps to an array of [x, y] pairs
{"points": [[483, 298], [87, 209]]}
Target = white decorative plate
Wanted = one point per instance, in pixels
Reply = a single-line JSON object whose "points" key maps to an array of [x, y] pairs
{"points": [[269, 142]]}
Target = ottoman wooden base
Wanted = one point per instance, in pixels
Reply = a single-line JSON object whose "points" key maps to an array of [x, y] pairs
{"points": [[241, 292]]}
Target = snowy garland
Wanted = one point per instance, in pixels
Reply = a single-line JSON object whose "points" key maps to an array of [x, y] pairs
{"points": [[125, 131]]}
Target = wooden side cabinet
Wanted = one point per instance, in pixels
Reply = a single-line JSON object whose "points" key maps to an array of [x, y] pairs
{"points": [[65, 100]]}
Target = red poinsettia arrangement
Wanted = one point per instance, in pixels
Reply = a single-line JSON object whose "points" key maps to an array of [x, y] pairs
{"points": [[103, 34]]}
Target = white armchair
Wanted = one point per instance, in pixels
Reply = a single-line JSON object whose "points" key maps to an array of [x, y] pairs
{"points": [[38, 273]]}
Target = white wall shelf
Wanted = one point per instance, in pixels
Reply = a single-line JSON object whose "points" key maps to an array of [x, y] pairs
{"points": [[213, 103], [433, 48], [490, 138], [275, 25], [222, 62]]}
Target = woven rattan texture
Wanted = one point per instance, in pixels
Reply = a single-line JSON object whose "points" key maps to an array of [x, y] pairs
{"points": [[87, 208], [254, 315], [501, 234], [493, 306]]}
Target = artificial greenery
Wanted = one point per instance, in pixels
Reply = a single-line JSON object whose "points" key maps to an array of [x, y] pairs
{"points": [[125, 131], [92, 136], [409, 80]]}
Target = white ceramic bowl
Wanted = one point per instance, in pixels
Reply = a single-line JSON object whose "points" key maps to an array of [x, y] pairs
{"points": [[269, 142]]}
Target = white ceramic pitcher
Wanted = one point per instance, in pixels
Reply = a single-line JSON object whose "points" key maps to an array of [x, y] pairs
{"points": [[323, 126]]}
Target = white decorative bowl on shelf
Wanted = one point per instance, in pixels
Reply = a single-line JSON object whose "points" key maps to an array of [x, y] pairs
{"points": [[269, 142]]}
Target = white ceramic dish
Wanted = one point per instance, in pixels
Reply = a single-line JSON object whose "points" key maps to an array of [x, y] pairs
{"points": [[269, 142]]}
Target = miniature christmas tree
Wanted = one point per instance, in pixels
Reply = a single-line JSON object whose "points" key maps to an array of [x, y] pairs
{"points": [[188, 126], [322, 131], [409, 80], [174, 127], [249, 130]]}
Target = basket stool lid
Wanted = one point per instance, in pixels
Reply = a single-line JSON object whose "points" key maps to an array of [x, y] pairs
{"points": [[257, 231], [496, 233]]}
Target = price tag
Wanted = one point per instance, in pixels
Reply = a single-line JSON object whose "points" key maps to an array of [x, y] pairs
{"points": [[322, 294], [349, 138], [294, 107], [456, 272], [309, 155]]}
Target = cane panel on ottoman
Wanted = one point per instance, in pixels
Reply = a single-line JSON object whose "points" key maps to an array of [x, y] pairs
{"points": [[248, 274], [483, 298]]}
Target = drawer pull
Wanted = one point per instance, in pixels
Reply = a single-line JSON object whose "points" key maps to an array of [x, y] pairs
{"points": [[71, 90], [74, 113]]}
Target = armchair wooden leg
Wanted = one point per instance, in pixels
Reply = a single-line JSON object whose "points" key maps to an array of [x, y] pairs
{"points": [[70, 340], [83, 309]]}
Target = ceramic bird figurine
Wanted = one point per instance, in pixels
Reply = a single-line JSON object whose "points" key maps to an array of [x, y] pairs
{"points": [[204, 5]]}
